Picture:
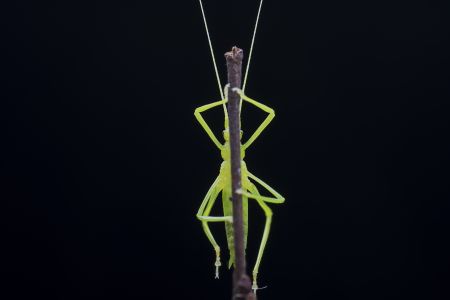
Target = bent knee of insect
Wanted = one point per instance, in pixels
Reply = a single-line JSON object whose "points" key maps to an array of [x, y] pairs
{"points": [[200, 217], [281, 199]]}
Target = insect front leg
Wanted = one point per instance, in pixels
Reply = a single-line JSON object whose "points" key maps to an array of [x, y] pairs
{"points": [[264, 124], [198, 115], [203, 216]]}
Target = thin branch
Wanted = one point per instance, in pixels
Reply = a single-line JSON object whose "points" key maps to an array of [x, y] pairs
{"points": [[241, 281]]}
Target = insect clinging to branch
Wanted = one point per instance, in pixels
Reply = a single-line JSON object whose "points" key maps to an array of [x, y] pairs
{"points": [[222, 183]]}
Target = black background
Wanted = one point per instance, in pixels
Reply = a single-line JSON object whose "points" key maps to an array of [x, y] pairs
{"points": [[103, 165]]}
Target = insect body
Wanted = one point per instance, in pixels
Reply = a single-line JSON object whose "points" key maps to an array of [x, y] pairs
{"points": [[222, 184]]}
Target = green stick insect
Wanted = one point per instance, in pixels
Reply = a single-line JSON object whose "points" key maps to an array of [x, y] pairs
{"points": [[222, 184]]}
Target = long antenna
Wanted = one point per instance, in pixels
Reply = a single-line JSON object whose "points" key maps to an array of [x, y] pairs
{"points": [[211, 49], [251, 47], [249, 56]]}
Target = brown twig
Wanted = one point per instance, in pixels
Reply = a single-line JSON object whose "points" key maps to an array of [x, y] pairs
{"points": [[241, 281]]}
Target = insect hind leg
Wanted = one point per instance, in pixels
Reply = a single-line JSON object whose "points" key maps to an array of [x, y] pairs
{"points": [[203, 216], [277, 199], [254, 194]]}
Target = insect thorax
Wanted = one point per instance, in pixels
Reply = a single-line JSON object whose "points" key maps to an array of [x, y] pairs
{"points": [[225, 152], [225, 168]]}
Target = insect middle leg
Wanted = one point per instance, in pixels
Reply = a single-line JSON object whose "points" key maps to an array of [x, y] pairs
{"points": [[203, 216]]}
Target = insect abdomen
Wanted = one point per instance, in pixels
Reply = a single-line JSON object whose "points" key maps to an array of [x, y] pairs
{"points": [[228, 211]]}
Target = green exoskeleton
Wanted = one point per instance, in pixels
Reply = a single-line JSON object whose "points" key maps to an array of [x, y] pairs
{"points": [[222, 184]]}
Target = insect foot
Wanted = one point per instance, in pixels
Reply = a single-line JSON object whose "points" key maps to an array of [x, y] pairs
{"points": [[225, 90], [237, 90], [254, 285], [217, 263]]}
